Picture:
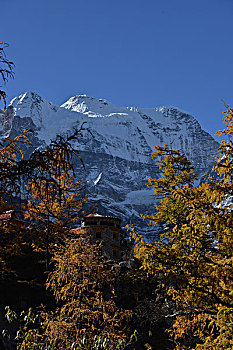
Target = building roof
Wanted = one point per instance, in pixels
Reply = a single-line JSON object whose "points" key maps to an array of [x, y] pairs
{"points": [[96, 215], [93, 215], [7, 215]]}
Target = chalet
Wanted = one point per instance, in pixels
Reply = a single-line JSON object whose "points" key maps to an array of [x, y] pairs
{"points": [[106, 229], [11, 217]]}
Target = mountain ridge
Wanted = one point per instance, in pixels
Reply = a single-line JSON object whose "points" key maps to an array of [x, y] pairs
{"points": [[117, 155]]}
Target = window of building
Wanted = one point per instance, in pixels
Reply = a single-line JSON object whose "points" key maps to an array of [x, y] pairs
{"points": [[114, 235], [98, 234], [91, 223], [106, 223]]}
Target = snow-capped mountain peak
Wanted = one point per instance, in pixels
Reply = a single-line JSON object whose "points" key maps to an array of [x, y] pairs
{"points": [[88, 104], [120, 146]]}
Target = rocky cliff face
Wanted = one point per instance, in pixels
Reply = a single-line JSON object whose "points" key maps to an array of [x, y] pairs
{"points": [[117, 155]]}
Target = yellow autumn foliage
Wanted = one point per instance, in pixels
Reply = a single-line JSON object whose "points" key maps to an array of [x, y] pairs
{"points": [[194, 258]]}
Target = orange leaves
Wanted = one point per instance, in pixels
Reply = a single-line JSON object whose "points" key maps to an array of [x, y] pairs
{"points": [[54, 194], [84, 288], [8, 152], [228, 121]]}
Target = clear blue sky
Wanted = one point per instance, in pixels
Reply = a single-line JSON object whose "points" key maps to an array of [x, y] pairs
{"points": [[143, 53]]}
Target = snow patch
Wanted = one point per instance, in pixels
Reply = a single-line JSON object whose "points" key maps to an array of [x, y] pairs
{"points": [[98, 179]]}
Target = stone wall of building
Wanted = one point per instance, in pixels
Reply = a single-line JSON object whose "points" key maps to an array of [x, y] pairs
{"points": [[106, 229]]}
